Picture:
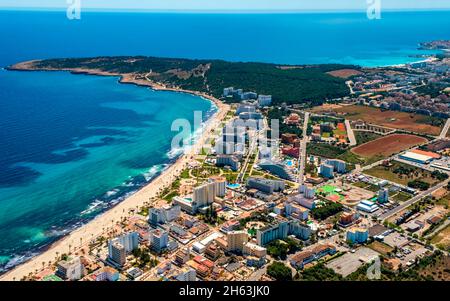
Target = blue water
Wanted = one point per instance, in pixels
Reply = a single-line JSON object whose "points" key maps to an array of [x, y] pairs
{"points": [[72, 145], [280, 38]]}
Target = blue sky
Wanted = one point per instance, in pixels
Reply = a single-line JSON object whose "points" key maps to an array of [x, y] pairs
{"points": [[230, 4]]}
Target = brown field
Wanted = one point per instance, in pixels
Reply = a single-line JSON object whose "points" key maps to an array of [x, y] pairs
{"points": [[381, 248], [344, 73], [388, 145], [393, 119]]}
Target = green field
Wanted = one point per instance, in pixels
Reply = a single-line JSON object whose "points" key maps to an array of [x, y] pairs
{"points": [[387, 173]]}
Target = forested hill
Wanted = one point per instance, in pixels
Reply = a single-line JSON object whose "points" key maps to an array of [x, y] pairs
{"points": [[290, 84]]}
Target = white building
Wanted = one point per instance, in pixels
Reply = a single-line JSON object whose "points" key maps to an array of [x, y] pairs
{"points": [[71, 269], [205, 194], [221, 185], [159, 240], [264, 100], [187, 274], [129, 241]]}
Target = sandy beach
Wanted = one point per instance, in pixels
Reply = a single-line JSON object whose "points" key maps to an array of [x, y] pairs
{"points": [[95, 228]]}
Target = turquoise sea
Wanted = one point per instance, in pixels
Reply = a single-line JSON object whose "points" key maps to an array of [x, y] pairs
{"points": [[74, 145]]}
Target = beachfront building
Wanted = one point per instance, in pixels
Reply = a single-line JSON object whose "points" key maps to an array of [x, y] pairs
{"points": [[163, 215], [383, 195], [70, 269], [357, 235], [129, 241], [326, 171], [265, 185], [228, 91]]}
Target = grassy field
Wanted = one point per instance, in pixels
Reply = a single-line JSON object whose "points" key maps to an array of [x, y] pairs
{"points": [[398, 120], [401, 197], [387, 173], [442, 239], [363, 137]]}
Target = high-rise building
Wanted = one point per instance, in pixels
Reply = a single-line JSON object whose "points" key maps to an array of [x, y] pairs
{"points": [[228, 160], [264, 100], [358, 235], [117, 253], [338, 165], [236, 240], [159, 240], [221, 185], [163, 215], [308, 192], [129, 241], [70, 269], [205, 194], [326, 171], [265, 185], [276, 230], [383, 195]]}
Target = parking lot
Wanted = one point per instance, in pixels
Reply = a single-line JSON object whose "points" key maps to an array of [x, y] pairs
{"points": [[350, 262], [396, 239]]}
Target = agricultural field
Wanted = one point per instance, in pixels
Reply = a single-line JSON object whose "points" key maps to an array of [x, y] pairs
{"points": [[401, 173], [398, 120], [387, 146]]}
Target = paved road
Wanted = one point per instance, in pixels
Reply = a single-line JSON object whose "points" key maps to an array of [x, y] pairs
{"points": [[350, 133], [413, 200], [445, 129], [302, 153]]}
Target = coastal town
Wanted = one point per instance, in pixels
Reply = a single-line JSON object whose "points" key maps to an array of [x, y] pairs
{"points": [[281, 191]]}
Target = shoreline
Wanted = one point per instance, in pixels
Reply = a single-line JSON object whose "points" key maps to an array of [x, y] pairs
{"points": [[95, 227]]}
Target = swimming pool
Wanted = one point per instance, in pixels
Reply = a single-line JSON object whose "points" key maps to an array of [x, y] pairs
{"points": [[234, 185], [289, 163]]}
